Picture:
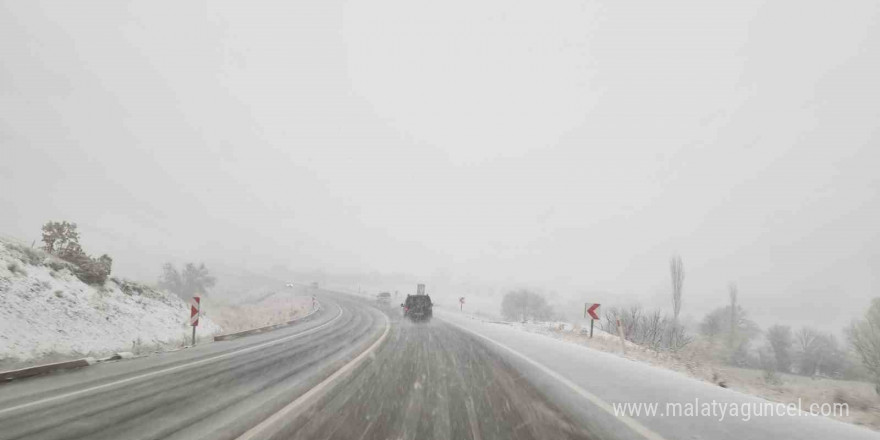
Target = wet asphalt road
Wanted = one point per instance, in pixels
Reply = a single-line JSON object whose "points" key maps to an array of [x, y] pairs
{"points": [[427, 381], [433, 381], [203, 396]]}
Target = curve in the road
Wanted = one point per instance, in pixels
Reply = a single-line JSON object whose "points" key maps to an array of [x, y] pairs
{"points": [[167, 370], [220, 394], [273, 424], [631, 423]]}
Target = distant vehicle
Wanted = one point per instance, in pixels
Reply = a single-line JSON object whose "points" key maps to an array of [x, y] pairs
{"points": [[383, 299], [418, 308]]}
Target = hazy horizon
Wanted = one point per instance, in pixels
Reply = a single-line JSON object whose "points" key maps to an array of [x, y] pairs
{"points": [[572, 146]]}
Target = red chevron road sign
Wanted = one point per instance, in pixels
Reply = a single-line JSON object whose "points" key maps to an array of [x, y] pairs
{"points": [[194, 307], [591, 310]]}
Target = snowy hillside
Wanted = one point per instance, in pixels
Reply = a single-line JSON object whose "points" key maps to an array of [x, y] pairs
{"points": [[47, 313]]}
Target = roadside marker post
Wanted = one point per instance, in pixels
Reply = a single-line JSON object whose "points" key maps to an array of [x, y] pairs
{"points": [[194, 310], [591, 310], [461, 303], [622, 339]]}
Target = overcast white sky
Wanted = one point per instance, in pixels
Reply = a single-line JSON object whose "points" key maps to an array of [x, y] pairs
{"points": [[568, 144]]}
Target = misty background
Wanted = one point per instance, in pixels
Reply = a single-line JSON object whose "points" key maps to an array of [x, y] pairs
{"points": [[568, 146]]}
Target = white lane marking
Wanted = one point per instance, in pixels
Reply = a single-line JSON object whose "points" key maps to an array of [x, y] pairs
{"points": [[175, 368], [472, 418], [633, 424], [261, 430]]}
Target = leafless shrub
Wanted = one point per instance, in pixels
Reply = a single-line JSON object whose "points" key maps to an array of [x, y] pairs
{"points": [[768, 364], [678, 337], [854, 401], [15, 268], [651, 329], [58, 265], [29, 255]]}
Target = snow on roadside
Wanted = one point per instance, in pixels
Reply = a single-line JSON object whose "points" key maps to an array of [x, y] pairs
{"points": [[863, 404], [48, 314], [274, 307]]}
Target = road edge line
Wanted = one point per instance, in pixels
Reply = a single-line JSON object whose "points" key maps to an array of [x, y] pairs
{"points": [[630, 422], [260, 431], [9, 375]]}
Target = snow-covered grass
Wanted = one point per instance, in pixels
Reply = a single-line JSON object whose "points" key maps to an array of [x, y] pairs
{"points": [[696, 361], [48, 314]]}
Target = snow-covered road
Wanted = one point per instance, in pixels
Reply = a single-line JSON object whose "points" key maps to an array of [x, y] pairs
{"points": [[590, 383]]}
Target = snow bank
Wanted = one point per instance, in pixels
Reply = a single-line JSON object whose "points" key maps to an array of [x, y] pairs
{"points": [[47, 313]]}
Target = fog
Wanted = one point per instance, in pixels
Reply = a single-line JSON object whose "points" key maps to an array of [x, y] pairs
{"points": [[564, 146]]}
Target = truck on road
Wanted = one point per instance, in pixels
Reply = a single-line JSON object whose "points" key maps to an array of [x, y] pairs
{"points": [[418, 307]]}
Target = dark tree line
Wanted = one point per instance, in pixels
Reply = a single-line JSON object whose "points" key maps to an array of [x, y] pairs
{"points": [[191, 280], [525, 305]]}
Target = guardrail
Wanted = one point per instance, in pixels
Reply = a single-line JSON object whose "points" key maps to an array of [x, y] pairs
{"points": [[253, 331], [43, 369]]}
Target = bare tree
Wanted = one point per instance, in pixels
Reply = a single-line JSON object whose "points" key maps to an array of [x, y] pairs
{"points": [[733, 292], [712, 324], [779, 337], [651, 329], [864, 335], [629, 319], [810, 346], [737, 335], [525, 304], [717, 323], [676, 269], [192, 280]]}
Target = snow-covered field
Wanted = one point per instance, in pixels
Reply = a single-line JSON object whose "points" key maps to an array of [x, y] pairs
{"points": [[275, 307], [48, 314]]}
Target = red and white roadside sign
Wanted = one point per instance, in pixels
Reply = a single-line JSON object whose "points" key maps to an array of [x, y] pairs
{"points": [[195, 306], [591, 311]]}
